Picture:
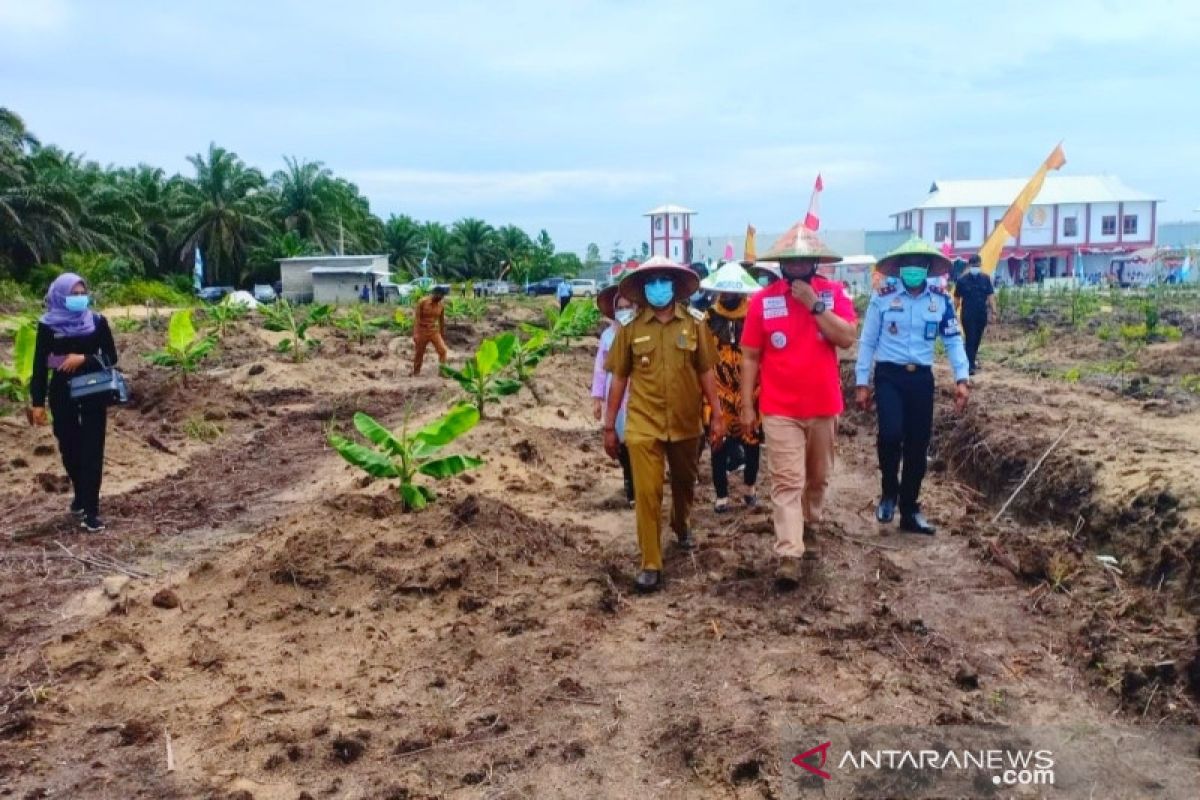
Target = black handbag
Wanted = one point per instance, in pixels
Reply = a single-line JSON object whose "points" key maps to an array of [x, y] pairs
{"points": [[107, 384]]}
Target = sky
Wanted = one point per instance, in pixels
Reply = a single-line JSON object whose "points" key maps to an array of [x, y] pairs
{"points": [[577, 116]]}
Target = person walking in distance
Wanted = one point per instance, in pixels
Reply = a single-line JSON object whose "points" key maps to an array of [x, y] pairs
{"points": [[975, 297], [903, 321], [429, 327], [789, 347], [73, 340], [665, 356], [564, 295]]}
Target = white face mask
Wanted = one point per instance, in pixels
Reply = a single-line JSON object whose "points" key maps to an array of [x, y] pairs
{"points": [[975, 270], [625, 315]]}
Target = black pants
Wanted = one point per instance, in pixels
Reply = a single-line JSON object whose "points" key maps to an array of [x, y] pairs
{"points": [[562, 303], [80, 428], [905, 402], [973, 324], [626, 472], [720, 465]]}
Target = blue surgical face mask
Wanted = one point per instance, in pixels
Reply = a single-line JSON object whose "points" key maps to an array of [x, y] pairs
{"points": [[77, 303], [624, 316], [912, 277], [660, 292]]}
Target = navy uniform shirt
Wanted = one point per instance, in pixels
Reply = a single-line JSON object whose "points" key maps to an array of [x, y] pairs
{"points": [[899, 328], [974, 291]]}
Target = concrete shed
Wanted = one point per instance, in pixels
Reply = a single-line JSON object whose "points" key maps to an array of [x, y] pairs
{"points": [[329, 279]]}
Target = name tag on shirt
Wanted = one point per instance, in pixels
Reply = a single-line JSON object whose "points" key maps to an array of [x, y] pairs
{"points": [[774, 307], [827, 299]]}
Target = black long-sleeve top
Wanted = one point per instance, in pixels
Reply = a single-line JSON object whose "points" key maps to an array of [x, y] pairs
{"points": [[98, 342]]}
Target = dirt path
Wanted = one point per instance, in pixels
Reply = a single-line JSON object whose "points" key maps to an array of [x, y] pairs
{"points": [[330, 647]]}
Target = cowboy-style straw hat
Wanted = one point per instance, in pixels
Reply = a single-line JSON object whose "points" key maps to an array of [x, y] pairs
{"points": [[730, 279], [915, 246], [801, 243], [633, 282]]}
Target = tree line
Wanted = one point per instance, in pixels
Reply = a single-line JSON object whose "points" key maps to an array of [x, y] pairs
{"points": [[55, 204]]}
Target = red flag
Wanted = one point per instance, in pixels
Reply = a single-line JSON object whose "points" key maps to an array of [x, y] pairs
{"points": [[812, 220]]}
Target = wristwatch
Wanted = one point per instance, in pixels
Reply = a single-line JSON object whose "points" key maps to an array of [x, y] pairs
{"points": [[818, 307]]}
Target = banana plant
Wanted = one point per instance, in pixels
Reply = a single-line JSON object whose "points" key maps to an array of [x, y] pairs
{"points": [[282, 317], [357, 327], [481, 377], [527, 354], [405, 456], [224, 315], [402, 322], [185, 347], [14, 378]]}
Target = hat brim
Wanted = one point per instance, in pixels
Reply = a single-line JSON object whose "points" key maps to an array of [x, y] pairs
{"points": [[938, 264], [606, 301], [632, 287], [782, 257]]}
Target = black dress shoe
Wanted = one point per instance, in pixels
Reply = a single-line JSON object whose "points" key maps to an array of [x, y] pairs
{"points": [[647, 581], [886, 510], [916, 523], [685, 540]]}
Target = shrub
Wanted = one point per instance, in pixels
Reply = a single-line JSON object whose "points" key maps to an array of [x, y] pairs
{"points": [[143, 292], [356, 326], [282, 317]]}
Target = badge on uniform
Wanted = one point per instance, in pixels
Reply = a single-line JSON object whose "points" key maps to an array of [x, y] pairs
{"points": [[779, 340], [931, 330], [933, 305], [893, 329], [827, 298], [897, 304], [682, 341], [774, 307]]}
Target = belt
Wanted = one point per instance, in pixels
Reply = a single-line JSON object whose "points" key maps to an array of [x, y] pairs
{"points": [[905, 367]]}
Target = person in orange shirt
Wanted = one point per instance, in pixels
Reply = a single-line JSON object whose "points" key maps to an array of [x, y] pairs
{"points": [[429, 326]]}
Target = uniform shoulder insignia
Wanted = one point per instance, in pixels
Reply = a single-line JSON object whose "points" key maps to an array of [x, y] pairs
{"points": [[886, 289], [935, 289], [698, 314]]}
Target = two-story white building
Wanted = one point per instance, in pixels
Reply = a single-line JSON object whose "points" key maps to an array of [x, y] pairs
{"points": [[1077, 225]]}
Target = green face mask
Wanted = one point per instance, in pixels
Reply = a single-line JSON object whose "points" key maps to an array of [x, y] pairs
{"points": [[912, 277]]}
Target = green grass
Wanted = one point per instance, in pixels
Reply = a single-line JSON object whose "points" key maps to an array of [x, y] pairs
{"points": [[202, 430]]}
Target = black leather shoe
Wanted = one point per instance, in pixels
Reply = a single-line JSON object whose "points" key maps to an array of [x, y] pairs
{"points": [[916, 523], [685, 540], [647, 581], [886, 511]]}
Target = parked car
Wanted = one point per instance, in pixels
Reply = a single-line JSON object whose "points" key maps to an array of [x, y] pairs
{"points": [[264, 293], [214, 294], [583, 287], [492, 288], [546, 286]]}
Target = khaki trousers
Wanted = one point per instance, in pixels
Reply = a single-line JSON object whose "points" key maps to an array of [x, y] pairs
{"points": [[421, 340], [647, 458], [800, 456]]}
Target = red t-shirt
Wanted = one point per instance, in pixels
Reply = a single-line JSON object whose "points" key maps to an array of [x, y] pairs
{"points": [[799, 367]]}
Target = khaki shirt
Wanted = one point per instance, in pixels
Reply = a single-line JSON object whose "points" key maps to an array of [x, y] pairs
{"points": [[664, 363], [430, 317]]}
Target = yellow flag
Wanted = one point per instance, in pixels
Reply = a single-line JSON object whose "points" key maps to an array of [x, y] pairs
{"points": [[1010, 224], [749, 253]]}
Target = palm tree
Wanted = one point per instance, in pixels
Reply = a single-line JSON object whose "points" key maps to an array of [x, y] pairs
{"points": [[156, 200], [224, 211], [475, 247], [441, 249], [308, 201], [405, 242], [516, 248]]}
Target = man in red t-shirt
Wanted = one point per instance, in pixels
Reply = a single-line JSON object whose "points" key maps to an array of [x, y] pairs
{"points": [[793, 330]]}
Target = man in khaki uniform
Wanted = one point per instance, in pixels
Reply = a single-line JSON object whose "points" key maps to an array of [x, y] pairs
{"points": [[666, 356], [429, 325]]}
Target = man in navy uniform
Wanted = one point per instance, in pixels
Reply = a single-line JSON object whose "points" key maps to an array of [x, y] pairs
{"points": [[975, 297], [903, 321]]}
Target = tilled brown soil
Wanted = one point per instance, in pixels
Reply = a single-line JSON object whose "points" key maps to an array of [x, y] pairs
{"points": [[303, 638]]}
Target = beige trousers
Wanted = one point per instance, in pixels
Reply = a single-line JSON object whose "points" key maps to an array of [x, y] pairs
{"points": [[800, 455]]}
